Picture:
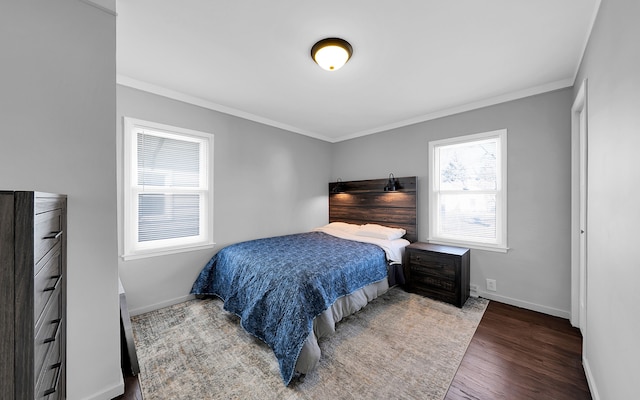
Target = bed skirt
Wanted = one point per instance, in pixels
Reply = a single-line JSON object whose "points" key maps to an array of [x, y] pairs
{"points": [[325, 324]]}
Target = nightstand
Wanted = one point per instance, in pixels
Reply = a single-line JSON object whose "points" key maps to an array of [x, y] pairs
{"points": [[438, 272]]}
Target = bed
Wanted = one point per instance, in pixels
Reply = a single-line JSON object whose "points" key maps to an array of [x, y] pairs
{"points": [[290, 291]]}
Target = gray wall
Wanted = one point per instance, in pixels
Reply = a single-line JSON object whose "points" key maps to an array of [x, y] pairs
{"points": [[253, 162], [612, 67], [267, 182], [535, 272], [57, 107]]}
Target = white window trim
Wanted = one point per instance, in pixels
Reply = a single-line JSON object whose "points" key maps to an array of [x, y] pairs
{"points": [[131, 248], [501, 201]]}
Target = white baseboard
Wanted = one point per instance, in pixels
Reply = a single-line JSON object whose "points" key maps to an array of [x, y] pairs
{"points": [[163, 304], [108, 393], [487, 295], [525, 304], [590, 381]]}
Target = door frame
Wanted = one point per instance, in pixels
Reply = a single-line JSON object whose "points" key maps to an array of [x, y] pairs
{"points": [[579, 196]]}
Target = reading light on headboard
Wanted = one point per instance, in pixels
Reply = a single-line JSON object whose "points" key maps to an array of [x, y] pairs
{"points": [[339, 187], [392, 185]]}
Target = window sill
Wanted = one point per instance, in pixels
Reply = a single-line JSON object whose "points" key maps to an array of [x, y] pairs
{"points": [[469, 245], [164, 252]]}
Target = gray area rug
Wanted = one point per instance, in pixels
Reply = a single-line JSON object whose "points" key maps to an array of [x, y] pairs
{"points": [[400, 346]]}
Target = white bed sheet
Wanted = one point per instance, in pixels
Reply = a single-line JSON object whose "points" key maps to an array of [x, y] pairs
{"points": [[394, 249]]}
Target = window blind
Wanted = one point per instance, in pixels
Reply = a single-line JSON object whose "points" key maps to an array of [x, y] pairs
{"points": [[468, 184], [165, 165]]}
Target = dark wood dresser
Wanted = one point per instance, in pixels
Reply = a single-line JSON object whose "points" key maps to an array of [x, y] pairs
{"points": [[32, 295], [438, 272]]}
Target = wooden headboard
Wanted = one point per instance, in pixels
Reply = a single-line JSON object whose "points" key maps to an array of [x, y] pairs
{"points": [[367, 202]]}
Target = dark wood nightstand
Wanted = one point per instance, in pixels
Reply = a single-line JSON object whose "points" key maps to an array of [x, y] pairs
{"points": [[439, 272]]}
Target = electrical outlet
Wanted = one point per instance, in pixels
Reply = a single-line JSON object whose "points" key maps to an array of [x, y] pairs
{"points": [[473, 290], [491, 285]]}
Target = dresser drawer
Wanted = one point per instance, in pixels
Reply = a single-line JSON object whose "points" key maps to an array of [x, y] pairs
{"points": [[433, 264], [48, 232], [48, 332], [47, 281], [48, 386]]}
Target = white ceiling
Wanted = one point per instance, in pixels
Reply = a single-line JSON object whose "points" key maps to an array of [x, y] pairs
{"points": [[413, 60]]}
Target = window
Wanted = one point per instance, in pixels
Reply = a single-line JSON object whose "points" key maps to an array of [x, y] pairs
{"points": [[168, 189], [468, 191]]}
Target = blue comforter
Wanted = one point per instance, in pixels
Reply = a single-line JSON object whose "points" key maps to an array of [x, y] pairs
{"points": [[278, 285]]}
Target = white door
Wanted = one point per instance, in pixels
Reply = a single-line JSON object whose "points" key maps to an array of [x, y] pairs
{"points": [[583, 222], [579, 268]]}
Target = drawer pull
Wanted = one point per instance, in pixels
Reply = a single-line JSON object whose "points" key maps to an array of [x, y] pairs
{"points": [[55, 285], [55, 382], [53, 338], [53, 235]]}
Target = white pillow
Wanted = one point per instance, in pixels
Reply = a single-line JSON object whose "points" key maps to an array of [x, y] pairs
{"points": [[382, 232], [343, 227]]}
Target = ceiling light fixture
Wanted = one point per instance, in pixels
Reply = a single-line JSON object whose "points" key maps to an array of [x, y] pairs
{"points": [[331, 53]]}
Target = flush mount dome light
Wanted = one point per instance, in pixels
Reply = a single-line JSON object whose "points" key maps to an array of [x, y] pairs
{"points": [[331, 53]]}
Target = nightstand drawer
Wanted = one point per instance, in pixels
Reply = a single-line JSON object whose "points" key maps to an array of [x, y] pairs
{"points": [[422, 277], [435, 294], [432, 264]]}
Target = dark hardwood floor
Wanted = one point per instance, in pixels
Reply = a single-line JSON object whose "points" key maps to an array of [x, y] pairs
{"points": [[131, 389], [515, 354], [521, 354]]}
